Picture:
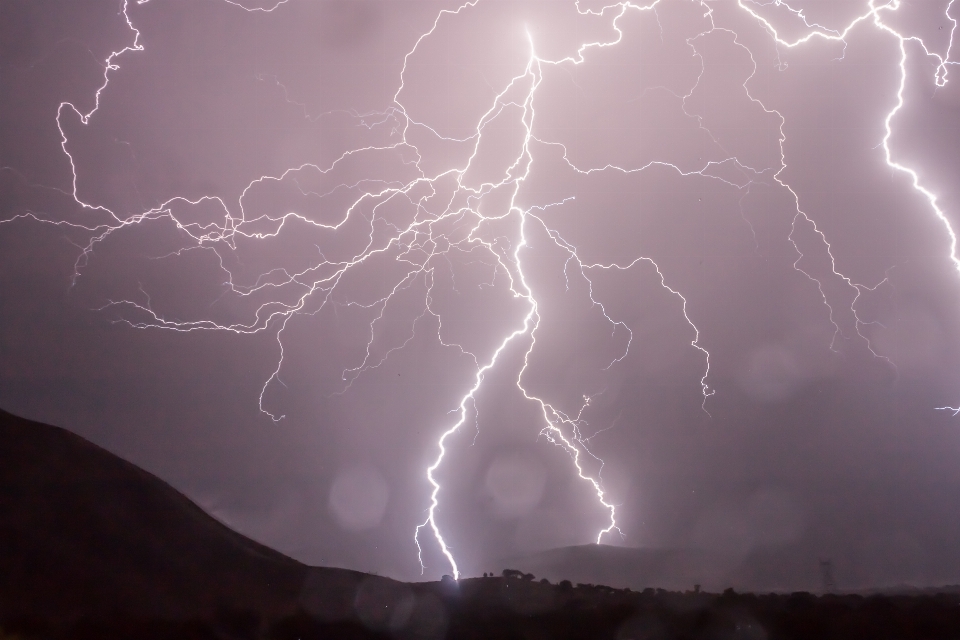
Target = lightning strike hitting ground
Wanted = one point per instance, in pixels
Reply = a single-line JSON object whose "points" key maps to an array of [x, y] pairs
{"points": [[422, 243]]}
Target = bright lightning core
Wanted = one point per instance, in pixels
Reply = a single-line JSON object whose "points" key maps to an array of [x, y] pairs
{"points": [[440, 203]]}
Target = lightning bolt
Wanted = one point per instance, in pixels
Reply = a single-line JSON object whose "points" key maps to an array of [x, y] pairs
{"points": [[554, 419], [421, 242], [873, 14]]}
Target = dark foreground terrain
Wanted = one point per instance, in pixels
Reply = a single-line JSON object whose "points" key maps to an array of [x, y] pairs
{"points": [[91, 547]]}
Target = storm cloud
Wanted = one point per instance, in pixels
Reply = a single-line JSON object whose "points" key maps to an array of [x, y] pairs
{"points": [[645, 262]]}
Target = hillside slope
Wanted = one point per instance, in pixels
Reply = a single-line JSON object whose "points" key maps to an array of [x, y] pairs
{"points": [[785, 569], [84, 533]]}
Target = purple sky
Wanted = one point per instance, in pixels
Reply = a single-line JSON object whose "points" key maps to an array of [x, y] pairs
{"points": [[667, 259]]}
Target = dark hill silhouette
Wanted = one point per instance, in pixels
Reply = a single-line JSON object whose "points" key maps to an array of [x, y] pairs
{"points": [[84, 533], [93, 548], [780, 569]]}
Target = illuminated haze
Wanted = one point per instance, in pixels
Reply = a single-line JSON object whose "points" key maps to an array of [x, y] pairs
{"points": [[412, 287]]}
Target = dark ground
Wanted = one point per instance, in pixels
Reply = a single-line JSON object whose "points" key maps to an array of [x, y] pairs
{"points": [[92, 547]]}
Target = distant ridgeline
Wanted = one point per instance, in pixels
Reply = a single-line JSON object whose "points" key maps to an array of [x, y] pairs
{"points": [[94, 548]]}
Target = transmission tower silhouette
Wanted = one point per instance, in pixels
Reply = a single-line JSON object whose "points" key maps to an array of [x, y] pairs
{"points": [[827, 582]]}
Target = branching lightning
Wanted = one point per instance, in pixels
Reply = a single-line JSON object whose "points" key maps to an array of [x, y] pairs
{"points": [[432, 235]]}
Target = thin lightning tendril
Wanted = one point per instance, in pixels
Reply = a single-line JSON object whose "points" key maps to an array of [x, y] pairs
{"points": [[426, 240]]}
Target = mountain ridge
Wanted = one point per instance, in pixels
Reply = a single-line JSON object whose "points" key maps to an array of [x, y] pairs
{"points": [[92, 547], [84, 532]]}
